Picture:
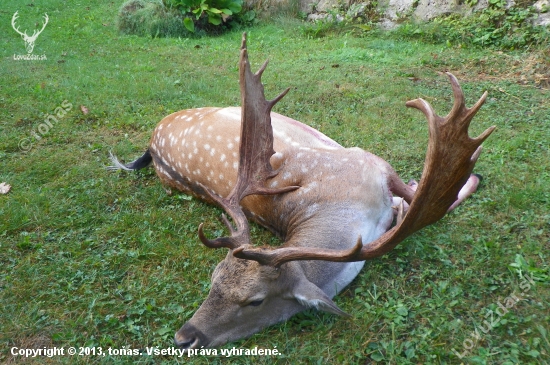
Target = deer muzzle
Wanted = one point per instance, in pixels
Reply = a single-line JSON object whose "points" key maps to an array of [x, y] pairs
{"points": [[189, 337]]}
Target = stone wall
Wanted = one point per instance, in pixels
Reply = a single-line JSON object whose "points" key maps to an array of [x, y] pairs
{"points": [[394, 11]]}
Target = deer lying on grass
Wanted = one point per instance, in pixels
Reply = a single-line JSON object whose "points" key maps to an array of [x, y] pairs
{"points": [[331, 205]]}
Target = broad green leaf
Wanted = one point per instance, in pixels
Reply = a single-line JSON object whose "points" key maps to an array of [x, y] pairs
{"points": [[377, 356], [402, 311], [235, 6], [364, 27], [189, 25], [163, 331], [409, 353], [215, 19]]}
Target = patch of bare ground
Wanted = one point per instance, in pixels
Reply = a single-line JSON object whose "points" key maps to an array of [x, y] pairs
{"points": [[38, 341], [530, 69]]}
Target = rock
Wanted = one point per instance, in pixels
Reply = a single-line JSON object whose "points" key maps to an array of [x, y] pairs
{"points": [[543, 9], [397, 9], [429, 9], [315, 17]]}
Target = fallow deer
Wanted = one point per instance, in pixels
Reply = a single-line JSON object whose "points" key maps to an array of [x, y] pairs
{"points": [[333, 206]]}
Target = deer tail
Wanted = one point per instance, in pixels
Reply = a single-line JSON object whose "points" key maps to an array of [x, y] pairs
{"points": [[138, 164]]}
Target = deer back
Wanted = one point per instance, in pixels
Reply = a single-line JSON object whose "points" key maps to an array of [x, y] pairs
{"points": [[198, 148]]}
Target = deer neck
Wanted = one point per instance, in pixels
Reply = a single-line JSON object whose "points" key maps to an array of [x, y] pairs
{"points": [[333, 227]]}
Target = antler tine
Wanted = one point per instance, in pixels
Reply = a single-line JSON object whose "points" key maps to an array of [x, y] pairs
{"points": [[279, 256], [46, 19], [13, 19], [36, 33], [450, 159], [459, 106], [238, 235], [256, 148]]}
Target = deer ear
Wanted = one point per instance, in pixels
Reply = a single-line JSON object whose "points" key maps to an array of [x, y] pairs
{"points": [[310, 295]]}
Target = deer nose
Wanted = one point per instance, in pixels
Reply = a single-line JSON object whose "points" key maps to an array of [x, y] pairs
{"points": [[183, 342], [189, 337]]}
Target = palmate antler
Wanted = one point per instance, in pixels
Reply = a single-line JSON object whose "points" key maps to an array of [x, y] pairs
{"points": [[450, 159], [256, 148]]}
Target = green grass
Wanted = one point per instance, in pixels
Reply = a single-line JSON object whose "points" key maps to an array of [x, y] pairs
{"points": [[95, 258]]}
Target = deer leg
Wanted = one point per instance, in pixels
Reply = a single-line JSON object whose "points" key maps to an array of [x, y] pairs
{"points": [[406, 190], [401, 190], [468, 189]]}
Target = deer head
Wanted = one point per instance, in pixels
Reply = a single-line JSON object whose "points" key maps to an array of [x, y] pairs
{"points": [[254, 287], [29, 40], [243, 291]]}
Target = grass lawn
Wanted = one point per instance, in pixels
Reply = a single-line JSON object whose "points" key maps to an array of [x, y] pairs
{"points": [[91, 258]]}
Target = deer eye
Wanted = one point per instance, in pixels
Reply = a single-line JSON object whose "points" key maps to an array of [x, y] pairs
{"points": [[255, 303]]}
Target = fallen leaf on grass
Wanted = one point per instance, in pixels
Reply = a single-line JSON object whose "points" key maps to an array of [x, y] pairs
{"points": [[4, 188]]}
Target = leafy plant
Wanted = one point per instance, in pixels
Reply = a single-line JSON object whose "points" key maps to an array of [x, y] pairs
{"points": [[204, 12], [496, 27]]}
